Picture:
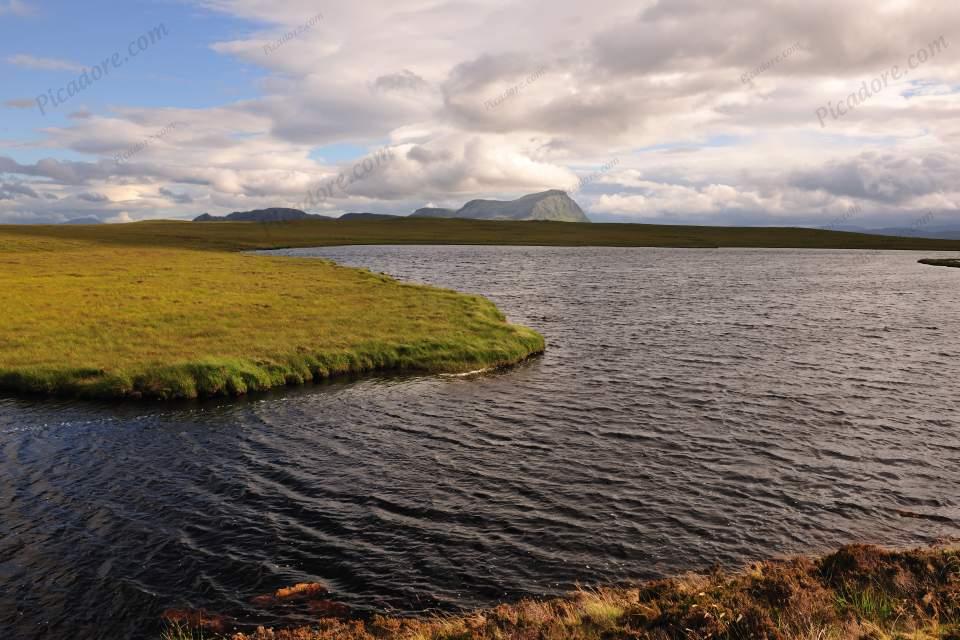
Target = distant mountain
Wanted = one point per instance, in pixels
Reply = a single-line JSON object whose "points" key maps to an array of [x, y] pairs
{"points": [[434, 212], [549, 205], [367, 216], [87, 220], [939, 233], [275, 214]]}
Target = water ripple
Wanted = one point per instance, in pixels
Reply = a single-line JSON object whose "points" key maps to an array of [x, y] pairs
{"points": [[693, 407]]}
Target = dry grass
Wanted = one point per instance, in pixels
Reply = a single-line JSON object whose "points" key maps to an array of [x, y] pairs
{"points": [[103, 319], [859, 592]]}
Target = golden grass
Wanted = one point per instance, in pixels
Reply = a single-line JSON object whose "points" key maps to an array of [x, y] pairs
{"points": [[104, 319], [857, 593]]}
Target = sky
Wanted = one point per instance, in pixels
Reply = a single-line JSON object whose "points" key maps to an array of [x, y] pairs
{"points": [[765, 112]]}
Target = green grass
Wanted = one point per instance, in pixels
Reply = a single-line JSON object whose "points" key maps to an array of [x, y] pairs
{"points": [[867, 603], [105, 319]]}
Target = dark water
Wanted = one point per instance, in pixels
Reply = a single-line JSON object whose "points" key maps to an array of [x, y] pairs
{"points": [[694, 407]]}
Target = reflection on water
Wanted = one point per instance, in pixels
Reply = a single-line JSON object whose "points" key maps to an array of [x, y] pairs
{"points": [[693, 407]]}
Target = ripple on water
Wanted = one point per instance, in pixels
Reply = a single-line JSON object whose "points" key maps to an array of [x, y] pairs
{"points": [[693, 407]]}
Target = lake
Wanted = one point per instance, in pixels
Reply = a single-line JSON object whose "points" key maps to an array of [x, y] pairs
{"points": [[693, 407]]}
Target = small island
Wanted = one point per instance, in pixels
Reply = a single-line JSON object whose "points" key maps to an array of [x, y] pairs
{"points": [[942, 262]]}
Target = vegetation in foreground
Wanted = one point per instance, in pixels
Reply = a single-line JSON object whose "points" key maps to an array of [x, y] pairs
{"points": [[859, 592], [943, 262], [100, 319]]}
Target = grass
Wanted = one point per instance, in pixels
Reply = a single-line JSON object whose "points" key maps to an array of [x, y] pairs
{"points": [[858, 593], [946, 262], [174, 310], [232, 236], [103, 319]]}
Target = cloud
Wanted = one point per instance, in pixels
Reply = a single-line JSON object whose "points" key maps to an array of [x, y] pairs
{"points": [[28, 61], [21, 103], [14, 7], [887, 178], [9, 191], [179, 198], [406, 80], [93, 197], [120, 218], [657, 85]]}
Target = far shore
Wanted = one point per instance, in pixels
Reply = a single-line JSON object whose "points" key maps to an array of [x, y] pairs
{"points": [[943, 262], [239, 236]]}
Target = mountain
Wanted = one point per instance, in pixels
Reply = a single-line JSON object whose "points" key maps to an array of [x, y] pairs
{"points": [[434, 212], [87, 220], [549, 205], [939, 233], [367, 216], [275, 214]]}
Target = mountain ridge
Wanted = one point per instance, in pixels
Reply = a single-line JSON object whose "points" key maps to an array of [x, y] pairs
{"points": [[554, 205]]}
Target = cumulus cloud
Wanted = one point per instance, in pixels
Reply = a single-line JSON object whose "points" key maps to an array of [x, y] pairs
{"points": [[9, 191], [179, 198], [656, 84]]}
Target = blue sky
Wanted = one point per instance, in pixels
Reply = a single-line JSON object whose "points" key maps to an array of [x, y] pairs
{"points": [[250, 103], [179, 71]]}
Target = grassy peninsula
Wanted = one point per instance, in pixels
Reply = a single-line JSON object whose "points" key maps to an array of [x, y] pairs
{"points": [[85, 316], [857, 593]]}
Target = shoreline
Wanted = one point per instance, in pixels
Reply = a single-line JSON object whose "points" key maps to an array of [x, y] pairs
{"points": [[859, 591], [209, 379], [941, 262]]}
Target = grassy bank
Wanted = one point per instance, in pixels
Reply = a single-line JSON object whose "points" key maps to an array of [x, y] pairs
{"points": [[94, 318], [232, 236], [859, 592], [947, 262]]}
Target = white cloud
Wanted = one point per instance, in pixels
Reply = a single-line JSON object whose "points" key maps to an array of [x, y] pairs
{"points": [[655, 84], [28, 61]]}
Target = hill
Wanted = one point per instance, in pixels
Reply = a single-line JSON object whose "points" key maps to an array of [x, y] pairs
{"points": [[367, 216], [552, 205], [434, 212], [274, 214], [233, 236]]}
